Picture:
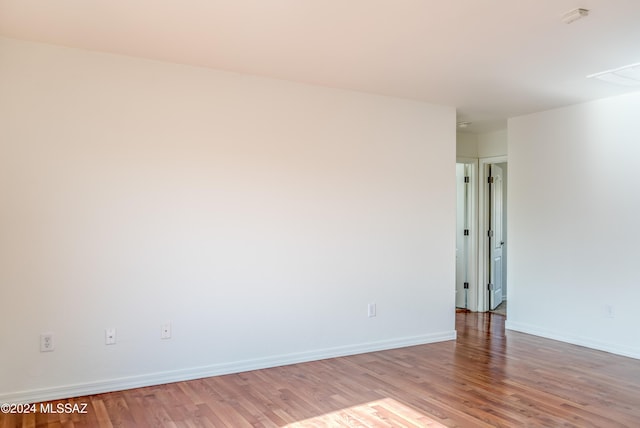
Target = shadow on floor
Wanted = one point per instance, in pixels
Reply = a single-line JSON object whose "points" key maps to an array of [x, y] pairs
{"points": [[501, 309]]}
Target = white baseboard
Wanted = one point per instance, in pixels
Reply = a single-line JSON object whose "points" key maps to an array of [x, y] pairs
{"points": [[625, 351], [158, 378]]}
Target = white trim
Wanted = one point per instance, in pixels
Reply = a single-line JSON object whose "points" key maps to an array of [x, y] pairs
{"points": [[483, 222], [625, 351], [158, 378]]}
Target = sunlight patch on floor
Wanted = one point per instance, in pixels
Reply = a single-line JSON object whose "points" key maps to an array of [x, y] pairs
{"points": [[380, 413]]}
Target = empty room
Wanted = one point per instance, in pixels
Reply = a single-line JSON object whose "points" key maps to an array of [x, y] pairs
{"points": [[319, 213]]}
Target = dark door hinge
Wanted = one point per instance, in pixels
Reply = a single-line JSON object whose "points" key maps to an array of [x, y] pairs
{"points": [[466, 285], [466, 232]]}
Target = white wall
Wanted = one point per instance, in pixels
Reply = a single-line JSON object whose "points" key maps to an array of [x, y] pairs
{"points": [[258, 216], [492, 144], [573, 224], [466, 145], [485, 145]]}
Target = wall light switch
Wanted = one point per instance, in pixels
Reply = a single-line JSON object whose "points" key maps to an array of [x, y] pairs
{"points": [[371, 310]]}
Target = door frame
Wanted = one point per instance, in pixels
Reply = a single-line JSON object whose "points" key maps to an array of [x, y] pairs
{"points": [[472, 257], [483, 220]]}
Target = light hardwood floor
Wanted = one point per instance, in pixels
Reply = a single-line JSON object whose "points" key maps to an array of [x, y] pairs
{"points": [[485, 378]]}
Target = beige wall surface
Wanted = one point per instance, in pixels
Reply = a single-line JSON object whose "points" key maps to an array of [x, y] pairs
{"points": [[573, 215], [259, 217]]}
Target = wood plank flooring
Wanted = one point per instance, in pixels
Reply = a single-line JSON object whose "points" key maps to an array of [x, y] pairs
{"points": [[485, 378]]}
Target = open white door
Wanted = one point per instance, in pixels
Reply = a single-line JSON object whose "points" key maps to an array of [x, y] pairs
{"points": [[496, 239]]}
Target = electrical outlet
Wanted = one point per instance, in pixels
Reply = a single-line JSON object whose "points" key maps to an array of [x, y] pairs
{"points": [[165, 331], [109, 336], [46, 342], [609, 312], [371, 310]]}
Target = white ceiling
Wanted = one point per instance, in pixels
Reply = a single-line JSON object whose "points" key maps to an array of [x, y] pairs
{"points": [[491, 59]]}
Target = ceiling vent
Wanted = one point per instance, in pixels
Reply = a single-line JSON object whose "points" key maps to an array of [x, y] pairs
{"points": [[629, 75]]}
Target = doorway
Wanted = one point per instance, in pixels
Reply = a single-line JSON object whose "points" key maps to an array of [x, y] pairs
{"points": [[466, 234], [493, 234]]}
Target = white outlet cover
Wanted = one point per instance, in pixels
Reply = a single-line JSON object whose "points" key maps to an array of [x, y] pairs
{"points": [[109, 336], [609, 312], [165, 331], [47, 343]]}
